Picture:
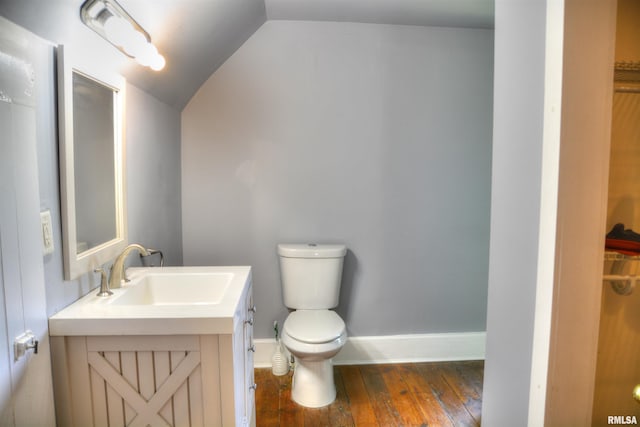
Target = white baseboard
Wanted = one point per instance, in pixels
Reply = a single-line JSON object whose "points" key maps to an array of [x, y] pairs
{"points": [[395, 349]]}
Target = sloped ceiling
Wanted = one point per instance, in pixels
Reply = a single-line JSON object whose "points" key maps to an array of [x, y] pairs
{"points": [[197, 36], [441, 13]]}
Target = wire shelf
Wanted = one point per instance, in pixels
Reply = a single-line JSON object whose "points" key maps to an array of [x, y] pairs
{"points": [[617, 256]]}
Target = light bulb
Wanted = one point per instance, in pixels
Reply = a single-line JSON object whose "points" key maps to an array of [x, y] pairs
{"points": [[136, 44], [147, 54], [121, 33], [158, 62]]}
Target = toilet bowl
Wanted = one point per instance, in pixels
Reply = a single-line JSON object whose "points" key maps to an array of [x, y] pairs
{"points": [[313, 337], [313, 333]]}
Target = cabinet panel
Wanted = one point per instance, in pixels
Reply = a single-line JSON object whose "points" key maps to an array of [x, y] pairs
{"points": [[149, 396]]}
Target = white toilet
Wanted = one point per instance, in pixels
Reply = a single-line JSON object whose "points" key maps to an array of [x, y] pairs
{"points": [[311, 276]]}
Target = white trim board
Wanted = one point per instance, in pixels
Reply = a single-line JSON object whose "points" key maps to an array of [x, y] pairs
{"points": [[395, 349]]}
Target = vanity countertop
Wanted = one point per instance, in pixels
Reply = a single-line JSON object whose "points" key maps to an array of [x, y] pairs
{"points": [[159, 301]]}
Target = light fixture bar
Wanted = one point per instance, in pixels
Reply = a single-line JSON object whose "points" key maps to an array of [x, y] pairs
{"points": [[114, 24]]}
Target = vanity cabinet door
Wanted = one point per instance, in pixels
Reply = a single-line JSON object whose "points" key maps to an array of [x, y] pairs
{"points": [[249, 381], [243, 350]]}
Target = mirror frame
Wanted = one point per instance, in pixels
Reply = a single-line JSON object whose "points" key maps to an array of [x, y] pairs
{"points": [[77, 264]]}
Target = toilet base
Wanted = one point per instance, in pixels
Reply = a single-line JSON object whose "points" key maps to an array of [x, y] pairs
{"points": [[313, 385]]}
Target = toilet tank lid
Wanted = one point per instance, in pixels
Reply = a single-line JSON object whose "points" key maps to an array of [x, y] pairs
{"points": [[311, 250]]}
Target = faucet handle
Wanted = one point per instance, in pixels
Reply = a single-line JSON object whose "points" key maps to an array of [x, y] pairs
{"points": [[104, 284], [151, 252]]}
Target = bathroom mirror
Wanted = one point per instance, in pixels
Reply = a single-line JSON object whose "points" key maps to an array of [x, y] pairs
{"points": [[91, 125]]}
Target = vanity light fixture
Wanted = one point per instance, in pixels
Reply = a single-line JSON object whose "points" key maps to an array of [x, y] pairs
{"points": [[114, 24]]}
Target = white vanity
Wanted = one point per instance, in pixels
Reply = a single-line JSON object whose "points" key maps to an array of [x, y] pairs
{"points": [[171, 347]]}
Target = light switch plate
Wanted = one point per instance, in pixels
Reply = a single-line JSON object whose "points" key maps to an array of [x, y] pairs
{"points": [[47, 232]]}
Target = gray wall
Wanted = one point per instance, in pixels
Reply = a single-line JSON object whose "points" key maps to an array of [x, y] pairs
{"points": [[153, 174], [372, 135], [516, 199]]}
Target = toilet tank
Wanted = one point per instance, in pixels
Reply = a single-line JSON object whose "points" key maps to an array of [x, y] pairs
{"points": [[311, 275]]}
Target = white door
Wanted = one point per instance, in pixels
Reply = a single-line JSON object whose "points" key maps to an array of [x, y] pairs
{"points": [[25, 382]]}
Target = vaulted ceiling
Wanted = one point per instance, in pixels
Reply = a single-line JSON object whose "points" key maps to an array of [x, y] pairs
{"points": [[197, 36]]}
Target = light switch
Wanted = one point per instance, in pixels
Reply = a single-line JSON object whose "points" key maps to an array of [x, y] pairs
{"points": [[47, 232]]}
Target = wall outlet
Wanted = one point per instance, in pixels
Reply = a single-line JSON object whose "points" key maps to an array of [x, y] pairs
{"points": [[47, 232]]}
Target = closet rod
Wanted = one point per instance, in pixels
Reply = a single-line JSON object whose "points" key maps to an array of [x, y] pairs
{"points": [[622, 285]]}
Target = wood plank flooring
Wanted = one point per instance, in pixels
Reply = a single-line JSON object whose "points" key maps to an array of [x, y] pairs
{"points": [[413, 394]]}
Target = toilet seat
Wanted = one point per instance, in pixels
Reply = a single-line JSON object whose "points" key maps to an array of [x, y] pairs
{"points": [[314, 326]]}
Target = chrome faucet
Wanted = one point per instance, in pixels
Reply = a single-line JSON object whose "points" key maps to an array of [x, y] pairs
{"points": [[117, 269]]}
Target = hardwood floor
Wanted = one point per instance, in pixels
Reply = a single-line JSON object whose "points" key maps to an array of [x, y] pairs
{"points": [[412, 394]]}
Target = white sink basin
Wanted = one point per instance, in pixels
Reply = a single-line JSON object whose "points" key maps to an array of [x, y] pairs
{"points": [[190, 288], [159, 301]]}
